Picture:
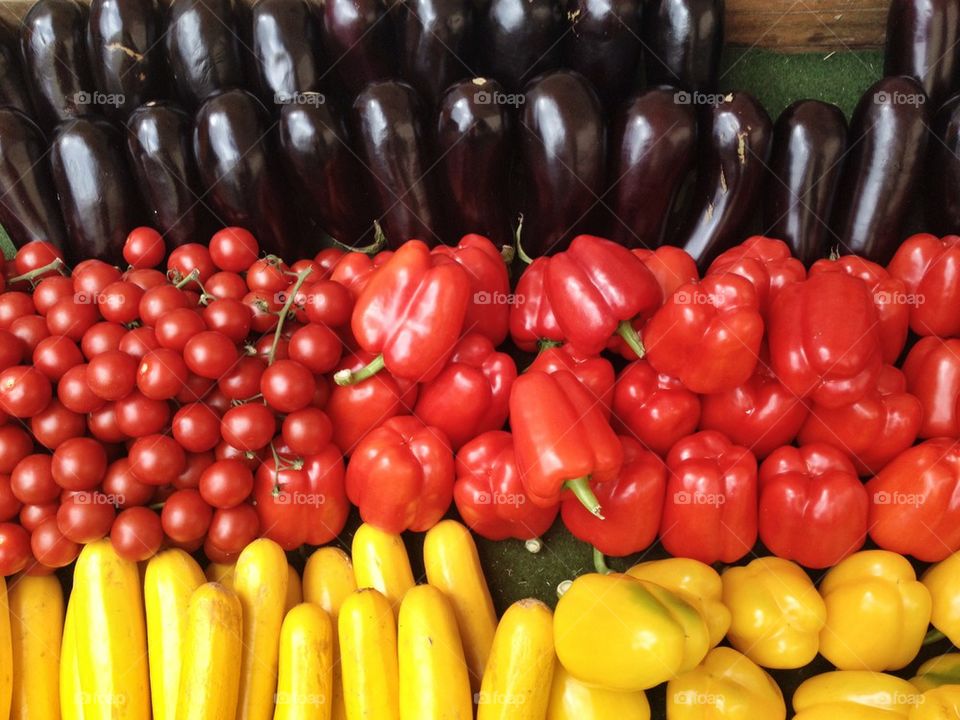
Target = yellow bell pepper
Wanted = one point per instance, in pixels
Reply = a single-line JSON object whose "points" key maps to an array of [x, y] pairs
{"points": [[937, 671], [854, 695], [943, 582], [694, 581], [725, 686], [570, 699], [877, 612], [940, 703], [620, 633], [776, 611]]}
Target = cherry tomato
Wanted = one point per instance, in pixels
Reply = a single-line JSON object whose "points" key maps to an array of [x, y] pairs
{"points": [[145, 278], [31, 516], [85, 517], [139, 341], [138, 415], [196, 427], [75, 394], [79, 464], [269, 275], [196, 464], [30, 330], [186, 259], [31, 481], [316, 347], [24, 391], [90, 277], [250, 458], [123, 489], [160, 300], [185, 516], [144, 248], [242, 381], [226, 286], [102, 337], [328, 303], [210, 354], [162, 374], [14, 305], [35, 255], [195, 389], [103, 424], [175, 328], [120, 301], [232, 529], [112, 375], [15, 445], [15, 550], [136, 534], [55, 355], [9, 505], [234, 249], [71, 318], [51, 290], [226, 483], [264, 308], [287, 386], [51, 547], [55, 424], [156, 459], [307, 431], [248, 427], [11, 349], [231, 317]]}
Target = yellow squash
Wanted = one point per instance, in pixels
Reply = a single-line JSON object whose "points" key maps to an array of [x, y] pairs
{"points": [[6, 654], [368, 654], [434, 682], [854, 695], [169, 581], [210, 684], [36, 627], [380, 562], [570, 699], [305, 679], [294, 590], [71, 705], [516, 682]]}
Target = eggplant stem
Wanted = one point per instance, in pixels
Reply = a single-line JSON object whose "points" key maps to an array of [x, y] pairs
{"points": [[284, 311], [581, 489], [378, 244], [628, 332], [600, 563], [352, 377]]}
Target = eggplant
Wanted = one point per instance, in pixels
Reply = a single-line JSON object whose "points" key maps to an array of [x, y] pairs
{"points": [[55, 63], [97, 192], [923, 42], [159, 149], [563, 152], [315, 148], [234, 156], [359, 38], [519, 40], [122, 37], [202, 49], [28, 201], [603, 44], [391, 136], [653, 143], [943, 188], [13, 91], [888, 138], [286, 48], [735, 144], [436, 45], [682, 41], [809, 142], [474, 140]]}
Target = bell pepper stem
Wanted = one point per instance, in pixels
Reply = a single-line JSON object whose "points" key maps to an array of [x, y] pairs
{"points": [[934, 636], [628, 332], [600, 563], [533, 545], [352, 377], [580, 487]]}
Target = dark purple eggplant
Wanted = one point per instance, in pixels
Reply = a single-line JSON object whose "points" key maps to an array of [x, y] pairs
{"points": [[56, 68], [125, 59], [28, 201], [943, 188], [683, 40], [519, 39], [286, 46], [202, 49], [734, 147], [888, 138], [436, 45], [563, 151], [13, 91], [603, 44], [391, 137], [809, 142], [923, 42], [359, 40], [474, 139], [653, 143], [97, 192], [159, 148], [315, 146], [235, 161]]}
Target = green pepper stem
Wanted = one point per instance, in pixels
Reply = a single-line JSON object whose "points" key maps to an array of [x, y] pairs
{"points": [[580, 487], [628, 332], [352, 377], [600, 563], [933, 636]]}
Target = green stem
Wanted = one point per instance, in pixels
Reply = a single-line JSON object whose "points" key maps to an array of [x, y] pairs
{"points": [[524, 258], [600, 563], [352, 377], [628, 332], [580, 487], [188, 278], [934, 636], [378, 244], [285, 310], [55, 264]]}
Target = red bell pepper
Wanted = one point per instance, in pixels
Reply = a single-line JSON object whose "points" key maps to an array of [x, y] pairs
{"points": [[532, 321], [654, 408], [472, 393], [932, 369], [489, 309], [410, 315], [890, 298], [765, 262], [710, 509], [930, 268], [823, 338], [561, 437], [595, 372], [915, 501], [874, 429], [632, 502], [400, 476], [304, 501], [813, 507], [489, 494], [707, 334]]}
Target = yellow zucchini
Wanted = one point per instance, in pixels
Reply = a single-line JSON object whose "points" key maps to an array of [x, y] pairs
{"points": [[36, 629], [294, 590], [305, 679], [516, 683], [220, 573], [260, 580], [71, 707], [170, 579], [368, 654], [434, 682], [6, 654], [380, 561]]}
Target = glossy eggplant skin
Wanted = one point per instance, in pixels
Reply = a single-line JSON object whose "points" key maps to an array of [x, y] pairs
{"points": [[357, 36], [436, 39], [125, 60], [923, 42], [603, 45], [519, 40], [731, 167], [809, 142], [888, 140], [235, 161], [56, 70], [97, 192], [563, 151], [683, 40], [202, 49], [653, 144], [315, 147], [160, 154], [475, 140], [13, 91], [28, 200], [390, 133], [943, 187], [286, 44]]}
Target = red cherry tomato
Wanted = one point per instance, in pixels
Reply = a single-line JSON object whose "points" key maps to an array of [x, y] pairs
{"points": [[226, 483], [79, 464], [15, 550], [234, 249], [144, 248], [51, 547], [185, 516], [112, 375], [136, 534], [156, 459], [24, 391]]}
